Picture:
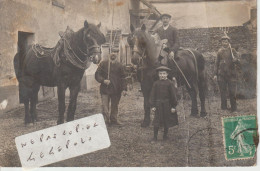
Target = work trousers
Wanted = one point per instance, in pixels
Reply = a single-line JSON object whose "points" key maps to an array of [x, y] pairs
{"points": [[230, 85], [114, 99]]}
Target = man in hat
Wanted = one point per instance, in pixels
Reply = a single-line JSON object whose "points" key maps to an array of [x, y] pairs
{"points": [[225, 73], [110, 73], [163, 102], [166, 31]]}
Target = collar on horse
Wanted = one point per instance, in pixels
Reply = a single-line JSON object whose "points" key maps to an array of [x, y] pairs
{"points": [[73, 58], [70, 55]]}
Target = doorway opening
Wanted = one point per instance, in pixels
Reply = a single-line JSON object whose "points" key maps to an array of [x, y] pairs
{"points": [[24, 40]]}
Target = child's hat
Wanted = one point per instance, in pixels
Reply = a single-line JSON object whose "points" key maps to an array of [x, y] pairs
{"points": [[163, 68]]}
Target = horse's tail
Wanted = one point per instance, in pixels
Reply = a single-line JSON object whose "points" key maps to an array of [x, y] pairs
{"points": [[18, 62], [17, 66], [203, 77], [200, 61]]}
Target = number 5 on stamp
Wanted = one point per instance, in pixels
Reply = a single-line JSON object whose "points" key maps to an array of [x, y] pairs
{"points": [[240, 136]]}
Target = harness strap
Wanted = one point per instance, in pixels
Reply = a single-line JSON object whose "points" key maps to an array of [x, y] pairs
{"points": [[40, 52]]}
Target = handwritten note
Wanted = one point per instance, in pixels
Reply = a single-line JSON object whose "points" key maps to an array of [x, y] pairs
{"points": [[63, 141]]}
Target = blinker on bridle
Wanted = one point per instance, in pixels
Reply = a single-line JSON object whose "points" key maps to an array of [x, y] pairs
{"points": [[90, 48], [141, 54]]}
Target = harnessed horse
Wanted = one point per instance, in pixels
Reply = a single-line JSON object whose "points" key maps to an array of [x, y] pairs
{"points": [[62, 67]]}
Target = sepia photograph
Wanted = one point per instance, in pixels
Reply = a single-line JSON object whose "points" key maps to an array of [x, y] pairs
{"points": [[128, 83]]}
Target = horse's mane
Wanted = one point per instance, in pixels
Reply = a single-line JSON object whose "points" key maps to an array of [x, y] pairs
{"points": [[77, 43]]}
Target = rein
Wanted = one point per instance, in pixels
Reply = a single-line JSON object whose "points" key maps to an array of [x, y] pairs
{"points": [[196, 66], [141, 62]]}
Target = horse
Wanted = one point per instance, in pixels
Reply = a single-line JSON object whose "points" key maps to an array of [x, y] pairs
{"points": [[190, 63], [62, 66]]}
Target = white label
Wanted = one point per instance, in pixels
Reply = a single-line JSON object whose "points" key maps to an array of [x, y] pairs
{"points": [[63, 141]]}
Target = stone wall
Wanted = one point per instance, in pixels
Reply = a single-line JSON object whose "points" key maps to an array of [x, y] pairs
{"points": [[45, 20], [207, 39]]}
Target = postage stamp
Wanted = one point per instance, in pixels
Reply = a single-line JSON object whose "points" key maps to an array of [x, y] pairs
{"points": [[239, 133]]}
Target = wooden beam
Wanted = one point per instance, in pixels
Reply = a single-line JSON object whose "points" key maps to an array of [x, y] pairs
{"points": [[58, 4], [150, 6], [183, 1], [140, 12]]}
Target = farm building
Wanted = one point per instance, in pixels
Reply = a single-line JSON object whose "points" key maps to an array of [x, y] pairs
{"points": [[200, 26], [40, 21]]}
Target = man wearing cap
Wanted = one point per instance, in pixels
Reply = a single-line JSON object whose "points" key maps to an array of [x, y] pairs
{"points": [[166, 31], [225, 73], [110, 73]]}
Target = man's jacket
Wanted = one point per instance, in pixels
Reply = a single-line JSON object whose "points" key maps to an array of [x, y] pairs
{"points": [[116, 76], [225, 63], [171, 35]]}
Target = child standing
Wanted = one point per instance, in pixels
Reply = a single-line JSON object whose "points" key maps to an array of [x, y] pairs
{"points": [[163, 102]]}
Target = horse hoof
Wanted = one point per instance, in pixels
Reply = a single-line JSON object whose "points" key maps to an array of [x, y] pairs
{"points": [[145, 124], [27, 121], [195, 116], [60, 122], [28, 124], [203, 114]]}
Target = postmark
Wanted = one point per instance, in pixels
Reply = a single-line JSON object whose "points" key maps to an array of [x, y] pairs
{"points": [[239, 133]]}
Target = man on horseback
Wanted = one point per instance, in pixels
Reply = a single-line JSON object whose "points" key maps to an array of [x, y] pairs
{"points": [[166, 31], [225, 73]]}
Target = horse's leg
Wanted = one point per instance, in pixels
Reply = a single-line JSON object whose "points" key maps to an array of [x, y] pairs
{"points": [[61, 99], [193, 91], [74, 90], [26, 111], [202, 92], [33, 102], [146, 121]]}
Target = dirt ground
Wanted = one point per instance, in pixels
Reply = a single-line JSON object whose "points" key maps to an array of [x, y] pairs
{"points": [[194, 142]]}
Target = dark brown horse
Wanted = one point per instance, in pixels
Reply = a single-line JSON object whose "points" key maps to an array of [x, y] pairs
{"points": [[145, 56], [62, 66]]}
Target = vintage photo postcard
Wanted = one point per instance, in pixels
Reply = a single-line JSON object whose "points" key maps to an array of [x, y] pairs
{"points": [[128, 83]]}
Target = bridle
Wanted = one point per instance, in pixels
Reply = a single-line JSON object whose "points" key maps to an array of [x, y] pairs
{"points": [[90, 55], [141, 54], [142, 57], [95, 48]]}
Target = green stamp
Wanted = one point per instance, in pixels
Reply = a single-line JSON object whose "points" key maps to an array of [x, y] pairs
{"points": [[239, 134]]}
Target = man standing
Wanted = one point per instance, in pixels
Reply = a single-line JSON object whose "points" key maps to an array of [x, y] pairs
{"points": [[111, 75], [166, 31], [225, 73]]}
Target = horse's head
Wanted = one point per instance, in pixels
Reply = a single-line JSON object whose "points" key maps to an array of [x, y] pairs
{"points": [[93, 38], [139, 42], [130, 40]]}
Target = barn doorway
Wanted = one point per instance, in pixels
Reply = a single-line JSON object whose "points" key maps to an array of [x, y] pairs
{"points": [[24, 39]]}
